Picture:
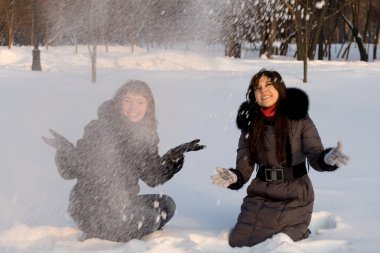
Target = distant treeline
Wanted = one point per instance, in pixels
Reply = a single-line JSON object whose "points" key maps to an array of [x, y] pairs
{"points": [[269, 25]]}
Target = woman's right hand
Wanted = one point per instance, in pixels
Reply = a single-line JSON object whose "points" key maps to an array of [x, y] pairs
{"points": [[58, 141]]}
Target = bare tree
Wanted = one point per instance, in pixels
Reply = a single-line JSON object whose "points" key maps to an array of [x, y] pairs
{"points": [[95, 23], [8, 10], [354, 27], [233, 22], [302, 13], [317, 36], [84, 22], [376, 40]]}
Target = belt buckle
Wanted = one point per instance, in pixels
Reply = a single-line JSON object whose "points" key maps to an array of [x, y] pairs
{"points": [[274, 175]]}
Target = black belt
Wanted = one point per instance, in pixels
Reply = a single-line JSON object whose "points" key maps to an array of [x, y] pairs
{"points": [[269, 174]]}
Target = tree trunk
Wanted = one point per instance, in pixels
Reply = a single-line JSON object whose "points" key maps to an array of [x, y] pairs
{"points": [[10, 21], [92, 51], [300, 50], [317, 34], [133, 41], [272, 37], [305, 50], [106, 44], [285, 44], [93, 63], [232, 46], [306, 42], [340, 50], [10, 37], [346, 52], [366, 26], [376, 40], [10, 28], [320, 46], [305, 70], [36, 60], [329, 51], [264, 39], [300, 33], [361, 47], [358, 38], [284, 48], [268, 37]]}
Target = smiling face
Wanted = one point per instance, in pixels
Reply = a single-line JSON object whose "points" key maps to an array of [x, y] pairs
{"points": [[134, 106], [266, 94]]}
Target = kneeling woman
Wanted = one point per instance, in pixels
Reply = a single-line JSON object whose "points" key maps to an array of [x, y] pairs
{"points": [[277, 136], [116, 151]]}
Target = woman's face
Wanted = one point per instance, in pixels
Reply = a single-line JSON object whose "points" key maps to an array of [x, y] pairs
{"points": [[265, 93], [134, 106]]}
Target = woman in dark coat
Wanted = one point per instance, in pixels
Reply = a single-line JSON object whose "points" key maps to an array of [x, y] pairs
{"points": [[277, 136], [116, 151]]}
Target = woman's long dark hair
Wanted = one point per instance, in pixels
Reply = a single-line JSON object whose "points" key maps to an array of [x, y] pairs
{"points": [[279, 121]]}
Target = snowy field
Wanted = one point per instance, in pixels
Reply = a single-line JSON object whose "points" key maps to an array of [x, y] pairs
{"points": [[197, 96]]}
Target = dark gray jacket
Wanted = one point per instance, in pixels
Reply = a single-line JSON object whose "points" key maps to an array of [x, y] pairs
{"points": [[282, 206], [110, 159]]}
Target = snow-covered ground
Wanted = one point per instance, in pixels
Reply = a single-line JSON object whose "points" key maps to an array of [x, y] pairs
{"points": [[197, 96]]}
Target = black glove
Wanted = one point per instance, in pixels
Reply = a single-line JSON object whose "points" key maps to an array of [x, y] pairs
{"points": [[177, 163], [186, 147], [176, 155], [58, 141]]}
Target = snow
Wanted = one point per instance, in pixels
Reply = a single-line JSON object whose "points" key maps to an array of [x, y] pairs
{"points": [[197, 95], [319, 5]]}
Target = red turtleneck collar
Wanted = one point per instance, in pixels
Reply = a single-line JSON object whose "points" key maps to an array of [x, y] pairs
{"points": [[269, 112]]}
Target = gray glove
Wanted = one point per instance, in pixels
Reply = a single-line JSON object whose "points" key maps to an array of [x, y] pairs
{"points": [[58, 141], [335, 157], [224, 177]]}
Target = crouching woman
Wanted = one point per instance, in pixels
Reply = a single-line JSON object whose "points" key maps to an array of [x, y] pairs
{"points": [[116, 151]]}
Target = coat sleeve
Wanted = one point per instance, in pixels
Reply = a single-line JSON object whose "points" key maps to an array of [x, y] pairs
{"points": [[157, 170], [244, 163], [69, 161], [312, 146]]}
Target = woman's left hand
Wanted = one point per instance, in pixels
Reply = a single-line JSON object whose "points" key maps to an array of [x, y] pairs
{"points": [[186, 147], [58, 141], [223, 177]]}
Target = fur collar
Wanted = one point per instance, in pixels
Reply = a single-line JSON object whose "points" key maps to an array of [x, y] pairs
{"points": [[296, 108]]}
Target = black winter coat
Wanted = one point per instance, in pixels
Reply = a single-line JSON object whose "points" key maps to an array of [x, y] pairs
{"points": [[110, 159], [277, 206]]}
